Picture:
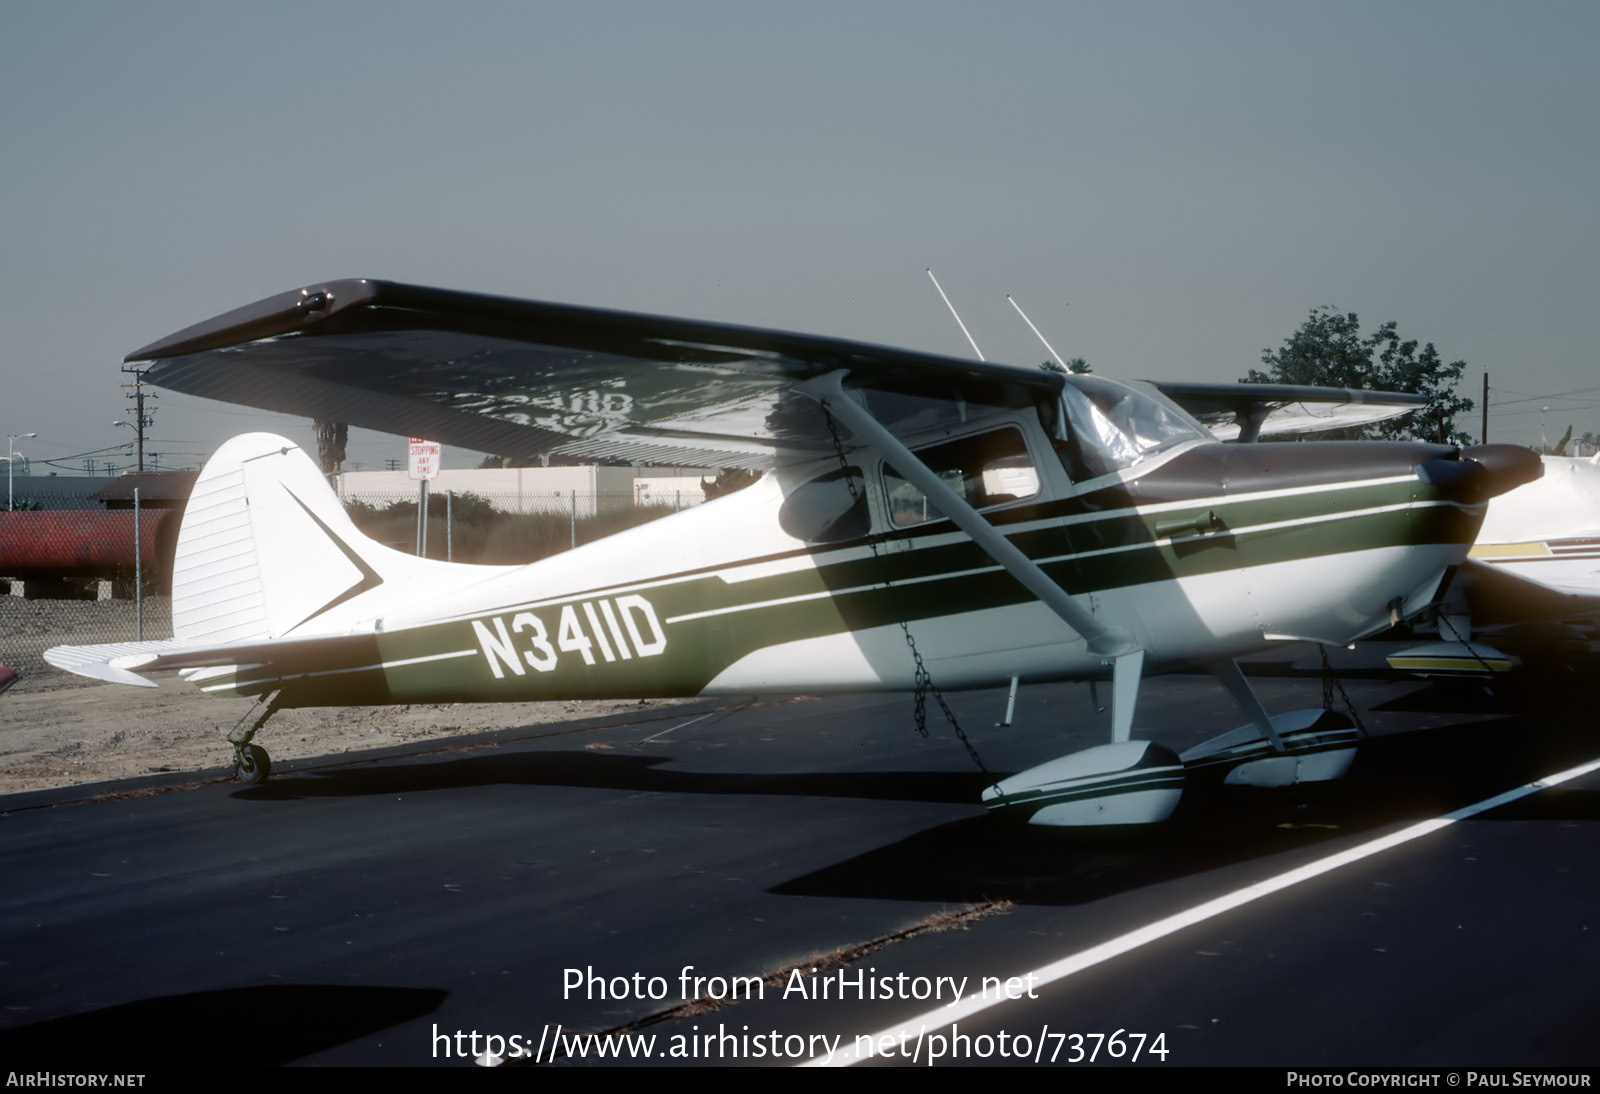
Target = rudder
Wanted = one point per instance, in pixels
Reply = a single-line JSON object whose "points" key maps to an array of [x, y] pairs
{"points": [[266, 549]]}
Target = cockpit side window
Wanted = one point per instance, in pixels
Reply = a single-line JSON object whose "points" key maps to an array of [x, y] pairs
{"points": [[987, 469]]}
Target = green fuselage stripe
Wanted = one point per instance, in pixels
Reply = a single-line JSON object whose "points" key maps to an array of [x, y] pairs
{"points": [[710, 622]]}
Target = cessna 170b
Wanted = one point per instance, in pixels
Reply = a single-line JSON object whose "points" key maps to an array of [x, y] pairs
{"points": [[1003, 523]]}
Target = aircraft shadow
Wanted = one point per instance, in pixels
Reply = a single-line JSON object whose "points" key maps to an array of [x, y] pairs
{"points": [[599, 770], [1398, 778], [229, 1029], [1549, 695]]}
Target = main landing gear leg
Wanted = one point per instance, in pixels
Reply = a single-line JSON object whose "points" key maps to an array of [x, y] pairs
{"points": [[1301, 746], [251, 764]]}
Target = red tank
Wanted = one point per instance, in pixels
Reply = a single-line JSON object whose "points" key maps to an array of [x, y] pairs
{"points": [[84, 542]]}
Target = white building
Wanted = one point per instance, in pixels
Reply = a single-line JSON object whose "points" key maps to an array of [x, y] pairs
{"points": [[584, 489]]}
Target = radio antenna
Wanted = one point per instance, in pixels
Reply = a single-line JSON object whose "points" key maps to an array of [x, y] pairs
{"points": [[1059, 360], [959, 323]]}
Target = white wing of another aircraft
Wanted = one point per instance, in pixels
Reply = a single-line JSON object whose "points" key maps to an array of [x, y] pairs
{"points": [[1536, 562], [1548, 530]]}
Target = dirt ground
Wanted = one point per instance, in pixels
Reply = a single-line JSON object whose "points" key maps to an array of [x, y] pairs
{"points": [[90, 732], [57, 729]]}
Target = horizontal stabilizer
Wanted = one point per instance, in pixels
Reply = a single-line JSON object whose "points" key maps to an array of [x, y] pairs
{"points": [[115, 662], [95, 662]]}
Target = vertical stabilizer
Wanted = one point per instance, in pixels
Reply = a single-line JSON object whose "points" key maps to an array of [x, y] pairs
{"points": [[266, 550]]}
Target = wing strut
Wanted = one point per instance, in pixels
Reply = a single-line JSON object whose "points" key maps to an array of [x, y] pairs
{"points": [[1113, 643], [1231, 678]]}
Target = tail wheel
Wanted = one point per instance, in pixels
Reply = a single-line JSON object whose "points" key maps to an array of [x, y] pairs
{"points": [[253, 765]]}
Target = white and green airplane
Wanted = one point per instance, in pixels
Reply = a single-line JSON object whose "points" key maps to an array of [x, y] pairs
{"points": [[984, 523]]}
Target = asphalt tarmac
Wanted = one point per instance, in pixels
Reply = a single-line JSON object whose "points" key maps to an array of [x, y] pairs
{"points": [[535, 886]]}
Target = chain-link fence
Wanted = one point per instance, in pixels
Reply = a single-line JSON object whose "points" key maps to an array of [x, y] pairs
{"points": [[504, 530], [29, 627], [75, 575]]}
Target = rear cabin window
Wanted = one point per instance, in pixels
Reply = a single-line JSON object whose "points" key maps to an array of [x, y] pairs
{"points": [[988, 469], [828, 509]]}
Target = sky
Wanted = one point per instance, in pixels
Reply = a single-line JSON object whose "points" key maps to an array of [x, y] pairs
{"points": [[1168, 189]]}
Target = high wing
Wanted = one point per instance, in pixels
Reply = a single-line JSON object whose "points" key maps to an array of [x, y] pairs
{"points": [[1247, 412], [562, 382], [553, 381]]}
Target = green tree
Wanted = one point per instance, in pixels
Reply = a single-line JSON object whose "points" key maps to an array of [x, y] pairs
{"points": [[1329, 350], [1075, 365]]}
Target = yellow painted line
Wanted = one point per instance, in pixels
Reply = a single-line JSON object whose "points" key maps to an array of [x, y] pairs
{"points": [[1458, 664], [1508, 550]]}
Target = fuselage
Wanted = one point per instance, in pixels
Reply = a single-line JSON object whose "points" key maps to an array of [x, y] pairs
{"points": [[813, 578]]}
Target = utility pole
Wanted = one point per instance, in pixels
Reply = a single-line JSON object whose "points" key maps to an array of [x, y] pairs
{"points": [[11, 463], [1485, 438], [141, 420]]}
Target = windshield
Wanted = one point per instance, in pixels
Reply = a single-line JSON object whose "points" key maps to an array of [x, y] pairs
{"points": [[1111, 426]]}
